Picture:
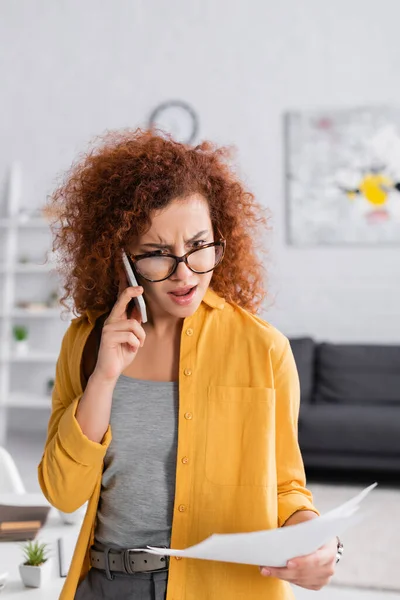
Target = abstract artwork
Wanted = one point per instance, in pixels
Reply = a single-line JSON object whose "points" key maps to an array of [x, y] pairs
{"points": [[343, 177]]}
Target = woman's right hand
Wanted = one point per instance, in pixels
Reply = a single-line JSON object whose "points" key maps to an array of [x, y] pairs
{"points": [[121, 337]]}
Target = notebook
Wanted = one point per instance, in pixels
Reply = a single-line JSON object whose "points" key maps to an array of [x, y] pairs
{"points": [[21, 516], [18, 531]]}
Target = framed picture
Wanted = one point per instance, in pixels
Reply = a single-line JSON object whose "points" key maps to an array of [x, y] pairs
{"points": [[343, 177]]}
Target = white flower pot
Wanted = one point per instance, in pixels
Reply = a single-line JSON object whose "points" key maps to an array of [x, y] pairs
{"points": [[36, 576], [21, 348]]}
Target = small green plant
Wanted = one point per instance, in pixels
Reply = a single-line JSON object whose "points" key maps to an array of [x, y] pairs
{"points": [[49, 386], [20, 332], [53, 299], [35, 553]]}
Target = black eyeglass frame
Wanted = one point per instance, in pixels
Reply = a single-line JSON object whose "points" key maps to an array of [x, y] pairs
{"points": [[178, 259]]}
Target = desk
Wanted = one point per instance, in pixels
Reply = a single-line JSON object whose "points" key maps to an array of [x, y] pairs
{"points": [[11, 557]]}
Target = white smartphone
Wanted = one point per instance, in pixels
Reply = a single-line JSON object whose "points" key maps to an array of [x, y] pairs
{"points": [[139, 301]]}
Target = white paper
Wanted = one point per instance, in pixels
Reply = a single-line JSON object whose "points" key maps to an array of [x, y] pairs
{"points": [[275, 547]]}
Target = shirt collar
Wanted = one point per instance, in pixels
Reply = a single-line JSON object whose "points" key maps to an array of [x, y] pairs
{"points": [[211, 298], [93, 314]]}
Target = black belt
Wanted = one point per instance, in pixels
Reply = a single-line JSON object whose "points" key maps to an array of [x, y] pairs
{"points": [[127, 561]]}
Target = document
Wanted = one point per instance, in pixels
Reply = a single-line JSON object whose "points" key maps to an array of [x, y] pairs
{"points": [[275, 547]]}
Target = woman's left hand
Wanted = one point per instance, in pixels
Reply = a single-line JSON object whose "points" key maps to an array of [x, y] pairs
{"points": [[312, 571]]}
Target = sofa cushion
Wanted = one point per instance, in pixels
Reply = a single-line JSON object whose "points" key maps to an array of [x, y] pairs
{"points": [[357, 374], [330, 428], [304, 354]]}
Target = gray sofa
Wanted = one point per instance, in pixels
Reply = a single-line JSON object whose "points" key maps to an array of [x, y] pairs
{"points": [[350, 405]]}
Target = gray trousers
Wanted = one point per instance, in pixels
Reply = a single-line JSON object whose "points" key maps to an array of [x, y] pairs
{"points": [[140, 586]]}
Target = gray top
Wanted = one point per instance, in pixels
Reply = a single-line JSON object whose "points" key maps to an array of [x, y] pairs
{"points": [[138, 483]]}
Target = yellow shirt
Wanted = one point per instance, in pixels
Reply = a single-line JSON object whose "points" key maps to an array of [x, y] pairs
{"points": [[238, 413]]}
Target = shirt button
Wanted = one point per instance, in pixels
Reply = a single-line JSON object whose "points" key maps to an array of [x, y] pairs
{"points": [[189, 332], [187, 372], [185, 460], [182, 508], [188, 416]]}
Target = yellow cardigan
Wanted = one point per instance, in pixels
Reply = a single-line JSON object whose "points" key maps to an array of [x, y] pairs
{"points": [[238, 413]]}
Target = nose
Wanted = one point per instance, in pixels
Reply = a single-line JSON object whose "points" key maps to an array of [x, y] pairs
{"points": [[182, 272]]}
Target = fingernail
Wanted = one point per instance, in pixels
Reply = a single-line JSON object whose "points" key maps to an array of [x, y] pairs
{"points": [[265, 572], [291, 564]]}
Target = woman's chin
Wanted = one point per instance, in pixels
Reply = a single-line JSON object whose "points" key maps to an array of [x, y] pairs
{"points": [[184, 311], [177, 307]]}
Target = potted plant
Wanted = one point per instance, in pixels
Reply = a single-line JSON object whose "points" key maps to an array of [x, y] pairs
{"points": [[53, 298], [50, 386], [21, 339], [36, 569]]}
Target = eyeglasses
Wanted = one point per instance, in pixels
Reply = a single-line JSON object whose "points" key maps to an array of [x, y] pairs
{"points": [[156, 267]]}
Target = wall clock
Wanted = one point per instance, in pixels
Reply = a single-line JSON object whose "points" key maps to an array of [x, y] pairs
{"points": [[176, 118]]}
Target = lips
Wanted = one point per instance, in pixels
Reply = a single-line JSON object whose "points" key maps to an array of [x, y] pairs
{"points": [[183, 296], [182, 291]]}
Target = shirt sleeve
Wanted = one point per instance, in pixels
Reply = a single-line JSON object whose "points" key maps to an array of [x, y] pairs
{"points": [[71, 463], [292, 492]]}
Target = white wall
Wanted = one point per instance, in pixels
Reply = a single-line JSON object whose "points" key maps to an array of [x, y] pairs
{"points": [[71, 69]]}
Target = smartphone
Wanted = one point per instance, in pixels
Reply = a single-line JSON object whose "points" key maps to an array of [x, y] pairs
{"points": [[139, 301]]}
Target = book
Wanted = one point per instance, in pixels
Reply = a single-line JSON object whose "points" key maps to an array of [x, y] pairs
{"points": [[20, 523]]}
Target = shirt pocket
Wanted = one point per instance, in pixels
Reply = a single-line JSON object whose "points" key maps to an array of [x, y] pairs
{"points": [[240, 441]]}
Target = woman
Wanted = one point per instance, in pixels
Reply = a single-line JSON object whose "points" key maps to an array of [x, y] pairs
{"points": [[202, 400]]}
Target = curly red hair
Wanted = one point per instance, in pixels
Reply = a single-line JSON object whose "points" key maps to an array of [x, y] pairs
{"points": [[107, 199]]}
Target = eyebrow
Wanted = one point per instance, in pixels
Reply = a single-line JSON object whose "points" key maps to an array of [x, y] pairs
{"points": [[193, 239]]}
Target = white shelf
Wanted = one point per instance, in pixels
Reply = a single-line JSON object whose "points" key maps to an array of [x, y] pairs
{"points": [[28, 400], [41, 313], [36, 223], [28, 268], [33, 313], [33, 357], [20, 230]]}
